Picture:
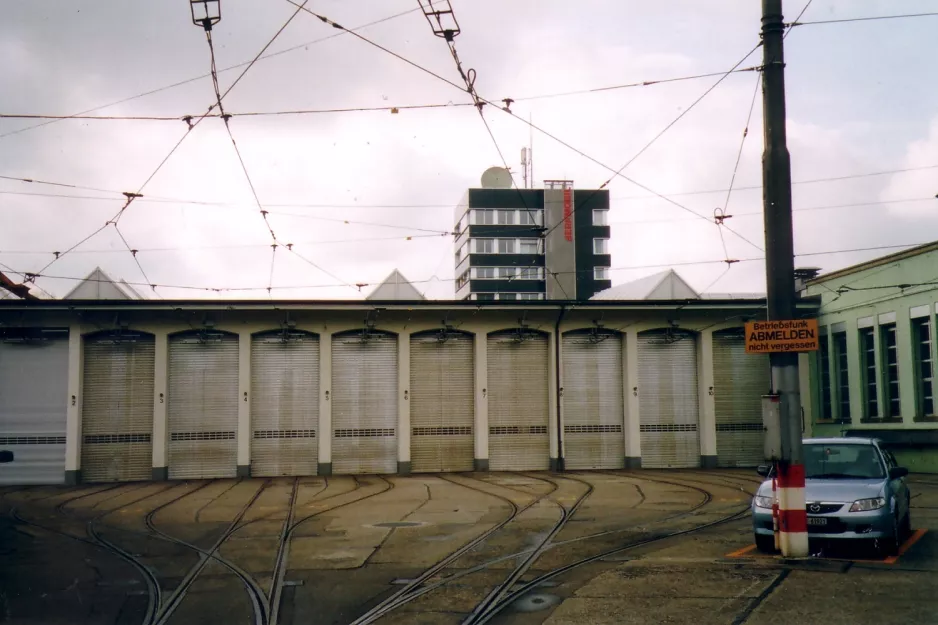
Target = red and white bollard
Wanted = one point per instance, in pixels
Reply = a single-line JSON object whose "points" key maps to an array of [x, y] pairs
{"points": [[792, 536]]}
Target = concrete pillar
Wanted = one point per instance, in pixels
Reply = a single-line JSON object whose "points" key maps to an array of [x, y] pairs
{"points": [[73, 407], [403, 403], [325, 404], [633, 433], [244, 404], [553, 431], [481, 402], [707, 424], [160, 398]]}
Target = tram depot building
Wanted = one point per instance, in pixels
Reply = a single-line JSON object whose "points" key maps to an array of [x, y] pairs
{"points": [[874, 372], [96, 390]]}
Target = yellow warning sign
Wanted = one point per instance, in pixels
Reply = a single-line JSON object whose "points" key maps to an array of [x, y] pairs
{"points": [[766, 337]]}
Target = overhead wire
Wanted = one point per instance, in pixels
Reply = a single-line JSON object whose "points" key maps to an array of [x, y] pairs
{"points": [[872, 18], [190, 126], [158, 199], [796, 210], [200, 77], [356, 109], [341, 283], [469, 78], [720, 219]]}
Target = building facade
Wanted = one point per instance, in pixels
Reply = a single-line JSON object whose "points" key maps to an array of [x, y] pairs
{"points": [[874, 372], [96, 390], [532, 244]]}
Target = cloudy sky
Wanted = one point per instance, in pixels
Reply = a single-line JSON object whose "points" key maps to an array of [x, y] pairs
{"points": [[862, 99]]}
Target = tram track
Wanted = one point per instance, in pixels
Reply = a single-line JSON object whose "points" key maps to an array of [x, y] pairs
{"points": [[406, 593], [507, 591]]}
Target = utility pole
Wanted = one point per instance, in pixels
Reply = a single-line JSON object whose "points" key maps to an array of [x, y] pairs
{"points": [[780, 282]]}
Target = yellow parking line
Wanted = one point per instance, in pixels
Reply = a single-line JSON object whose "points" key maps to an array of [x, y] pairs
{"points": [[911, 540], [741, 552]]}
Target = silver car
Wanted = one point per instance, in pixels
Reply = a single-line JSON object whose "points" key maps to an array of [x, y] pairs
{"points": [[854, 490]]}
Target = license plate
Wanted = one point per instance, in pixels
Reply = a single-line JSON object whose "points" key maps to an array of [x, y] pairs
{"points": [[813, 520]]}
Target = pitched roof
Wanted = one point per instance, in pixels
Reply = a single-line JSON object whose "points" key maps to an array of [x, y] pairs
{"points": [[395, 287], [99, 285], [667, 285]]}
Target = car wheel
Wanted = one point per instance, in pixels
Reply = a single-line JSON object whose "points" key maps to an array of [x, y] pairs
{"points": [[889, 545], [905, 528], [765, 544]]}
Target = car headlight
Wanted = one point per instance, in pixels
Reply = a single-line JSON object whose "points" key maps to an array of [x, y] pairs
{"points": [[763, 502], [865, 505]]}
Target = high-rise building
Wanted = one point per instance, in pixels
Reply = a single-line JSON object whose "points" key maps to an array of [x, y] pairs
{"points": [[516, 244]]}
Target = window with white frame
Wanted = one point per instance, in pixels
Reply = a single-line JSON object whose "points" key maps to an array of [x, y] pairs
{"points": [[509, 273], [483, 273], [600, 273], [530, 246], [483, 217], [462, 280], [924, 387], [531, 273], [483, 297], [484, 246], [889, 346], [841, 376], [506, 217], [462, 252], [600, 246], [530, 296], [532, 217], [507, 246], [868, 368], [824, 364], [600, 217], [508, 296]]}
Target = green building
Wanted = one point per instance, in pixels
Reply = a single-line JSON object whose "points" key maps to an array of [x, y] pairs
{"points": [[874, 372]]}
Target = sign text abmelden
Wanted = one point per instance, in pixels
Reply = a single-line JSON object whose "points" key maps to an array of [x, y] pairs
{"points": [[767, 337]]}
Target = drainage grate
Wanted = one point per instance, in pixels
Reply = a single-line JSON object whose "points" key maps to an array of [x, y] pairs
{"points": [[535, 602]]}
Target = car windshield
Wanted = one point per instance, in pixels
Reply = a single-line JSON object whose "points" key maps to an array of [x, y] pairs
{"points": [[842, 461]]}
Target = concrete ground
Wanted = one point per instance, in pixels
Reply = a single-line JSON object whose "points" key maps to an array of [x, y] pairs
{"points": [[581, 547]]}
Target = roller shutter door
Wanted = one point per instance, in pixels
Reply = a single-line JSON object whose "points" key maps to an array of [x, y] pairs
{"points": [[518, 413], [203, 405], [117, 408], [739, 381], [593, 412], [284, 404], [668, 401], [364, 403], [33, 400], [442, 407]]}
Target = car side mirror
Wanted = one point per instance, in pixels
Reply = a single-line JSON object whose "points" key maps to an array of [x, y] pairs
{"points": [[6, 456], [896, 472], [764, 470]]}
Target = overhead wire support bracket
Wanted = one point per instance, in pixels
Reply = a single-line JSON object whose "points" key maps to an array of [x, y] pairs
{"points": [[442, 21]]}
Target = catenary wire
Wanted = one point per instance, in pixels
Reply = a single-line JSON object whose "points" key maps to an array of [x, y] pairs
{"points": [[233, 246], [861, 19], [230, 67], [356, 109], [342, 283], [469, 78], [739, 155], [158, 199], [800, 15], [796, 210], [190, 126]]}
